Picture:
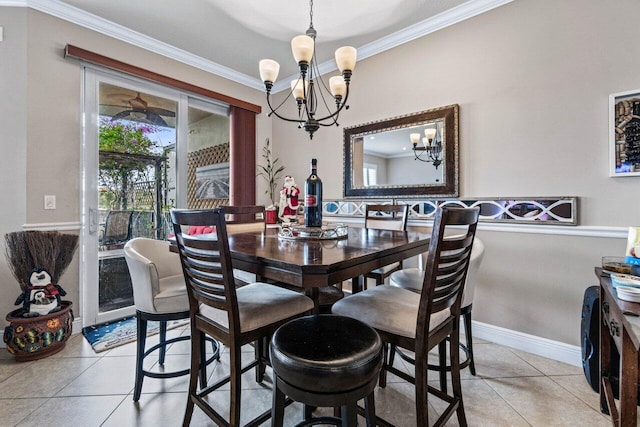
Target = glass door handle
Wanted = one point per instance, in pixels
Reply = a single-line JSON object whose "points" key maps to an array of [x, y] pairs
{"points": [[93, 221]]}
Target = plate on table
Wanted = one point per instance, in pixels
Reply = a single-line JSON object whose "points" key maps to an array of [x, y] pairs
{"points": [[625, 280], [628, 293]]}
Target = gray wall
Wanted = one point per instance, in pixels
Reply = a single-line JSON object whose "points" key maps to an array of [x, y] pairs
{"points": [[532, 79], [408, 170], [13, 138], [381, 162]]}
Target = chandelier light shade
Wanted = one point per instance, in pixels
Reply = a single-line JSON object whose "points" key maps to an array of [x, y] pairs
{"points": [[346, 58], [302, 49], [269, 70], [431, 146], [309, 90]]}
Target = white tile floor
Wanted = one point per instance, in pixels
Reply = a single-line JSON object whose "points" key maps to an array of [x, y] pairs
{"points": [[78, 387]]}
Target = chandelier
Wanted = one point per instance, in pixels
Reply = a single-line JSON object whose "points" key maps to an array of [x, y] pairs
{"points": [[309, 90], [431, 147]]}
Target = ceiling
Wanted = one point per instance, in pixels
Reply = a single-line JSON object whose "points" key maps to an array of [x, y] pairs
{"points": [[229, 37], [395, 143]]}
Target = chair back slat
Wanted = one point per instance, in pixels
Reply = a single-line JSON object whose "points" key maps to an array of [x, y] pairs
{"points": [[450, 266], [456, 243], [205, 277], [206, 262], [386, 217], [447, 264], [207, 283], [208, 294]]}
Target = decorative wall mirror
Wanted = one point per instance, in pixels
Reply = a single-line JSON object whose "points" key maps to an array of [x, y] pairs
{"points": [[411, 155]]}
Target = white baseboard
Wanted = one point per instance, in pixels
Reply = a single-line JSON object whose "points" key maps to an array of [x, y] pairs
{"points": [[544, 347], [77, 328]]}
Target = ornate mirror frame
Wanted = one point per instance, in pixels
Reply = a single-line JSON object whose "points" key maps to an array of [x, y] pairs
{"points": [[450, 163]]}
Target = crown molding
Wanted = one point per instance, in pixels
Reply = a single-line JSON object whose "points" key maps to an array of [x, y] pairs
{"points": [[92, 22], [77, 16], [430, 25]]}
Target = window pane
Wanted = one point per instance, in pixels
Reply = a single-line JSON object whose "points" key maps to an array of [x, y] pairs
{"points": [[207, 156], [136, 173]]}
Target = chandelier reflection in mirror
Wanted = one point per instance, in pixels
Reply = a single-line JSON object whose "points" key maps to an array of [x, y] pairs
{"points": [[431, 147], [309, 90]]}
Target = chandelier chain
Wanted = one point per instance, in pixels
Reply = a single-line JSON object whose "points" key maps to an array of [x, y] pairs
{"points": [[311, 13]]}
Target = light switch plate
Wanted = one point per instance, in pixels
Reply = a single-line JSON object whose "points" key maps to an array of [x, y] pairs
{"points": [[1, 34], [49, 202]]}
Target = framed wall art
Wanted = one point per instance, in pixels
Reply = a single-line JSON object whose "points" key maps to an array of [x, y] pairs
{"points": [[624, 134], [212, 181]]}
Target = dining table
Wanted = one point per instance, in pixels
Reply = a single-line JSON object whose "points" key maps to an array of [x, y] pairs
{"points": [[312, 263]]}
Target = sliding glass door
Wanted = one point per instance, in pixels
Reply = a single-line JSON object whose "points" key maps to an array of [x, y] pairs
{"points": [[147, 148]]}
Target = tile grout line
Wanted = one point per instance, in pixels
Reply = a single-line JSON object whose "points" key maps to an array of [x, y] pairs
{"points": [[576, 396], [527, 362], [46, 399], [507, 403], [115, 409]]}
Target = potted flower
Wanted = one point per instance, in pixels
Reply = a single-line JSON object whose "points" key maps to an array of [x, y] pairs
{"points": [[270, 172], [41, 326]]}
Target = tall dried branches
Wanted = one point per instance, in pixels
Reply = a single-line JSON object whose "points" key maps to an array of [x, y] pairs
{"points": [[51, 250]]}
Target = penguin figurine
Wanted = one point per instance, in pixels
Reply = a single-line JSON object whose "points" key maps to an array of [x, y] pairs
{"points": [[40, 296]]}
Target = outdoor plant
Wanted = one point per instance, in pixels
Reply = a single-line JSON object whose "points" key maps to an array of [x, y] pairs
{"points": [[117, 176], [270, 172], [126, 137]]}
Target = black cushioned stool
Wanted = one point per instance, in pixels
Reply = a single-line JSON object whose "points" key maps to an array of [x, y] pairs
{"points": [[326, 361]]}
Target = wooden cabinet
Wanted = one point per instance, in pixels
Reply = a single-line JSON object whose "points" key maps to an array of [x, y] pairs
{"points": [[618, 320]]}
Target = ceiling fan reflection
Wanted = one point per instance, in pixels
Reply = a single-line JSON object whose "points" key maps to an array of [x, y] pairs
{"points": [[141, 112]]}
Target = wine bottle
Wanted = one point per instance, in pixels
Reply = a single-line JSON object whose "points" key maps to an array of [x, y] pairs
{"points": [[313, 198]]}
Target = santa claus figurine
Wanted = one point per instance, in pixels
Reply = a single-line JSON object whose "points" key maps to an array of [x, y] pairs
{"points": [[289, 200]]}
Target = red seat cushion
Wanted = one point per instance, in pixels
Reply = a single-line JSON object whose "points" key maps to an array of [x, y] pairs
{"points": [[200, 229]]}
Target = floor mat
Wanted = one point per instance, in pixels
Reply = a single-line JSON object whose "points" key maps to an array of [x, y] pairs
{"points": [[119, 332]]}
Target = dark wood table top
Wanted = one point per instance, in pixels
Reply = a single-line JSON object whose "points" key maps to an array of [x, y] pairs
{"points": [[314, 263], [311, 263]]}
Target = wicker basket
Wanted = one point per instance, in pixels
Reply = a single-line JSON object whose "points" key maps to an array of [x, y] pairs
{"points": [[31, 338]]}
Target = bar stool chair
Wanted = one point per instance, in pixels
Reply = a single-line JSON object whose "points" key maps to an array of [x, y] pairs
{"points": [[385, 217], [327, 361], [419, 322], [159, 294], [412, 279], [233, 315]]}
